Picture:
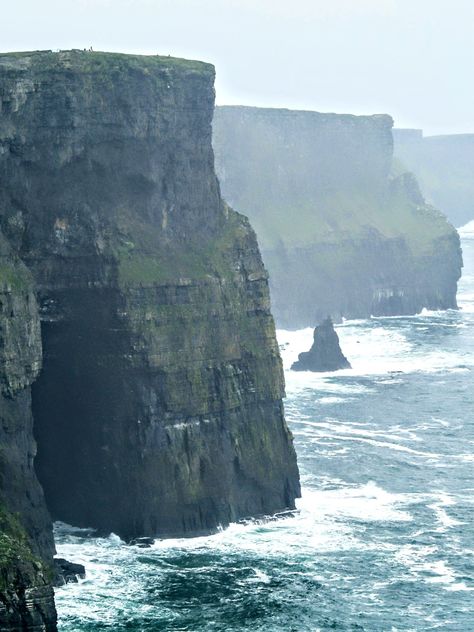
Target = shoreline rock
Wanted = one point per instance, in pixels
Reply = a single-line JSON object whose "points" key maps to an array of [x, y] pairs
{"points": [[325, 353], [67, 572]]}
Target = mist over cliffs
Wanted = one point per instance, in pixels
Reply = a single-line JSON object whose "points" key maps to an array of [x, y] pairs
{"points": [[343, 231], [444, 165], [158, 407]]}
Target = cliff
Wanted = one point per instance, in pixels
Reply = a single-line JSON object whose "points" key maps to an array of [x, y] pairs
{"points": [[444, 165], [26, 594], [159, 407], [341, 232], [26, 545]]}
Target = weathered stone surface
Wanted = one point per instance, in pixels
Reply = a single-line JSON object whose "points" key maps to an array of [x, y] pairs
{"points": [[26, 595], [341, 231], [67, 572], [27, 600], [158, 410], [325, 353]]}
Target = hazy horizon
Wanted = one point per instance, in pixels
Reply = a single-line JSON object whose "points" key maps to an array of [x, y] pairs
{"points": [[406, 59]]}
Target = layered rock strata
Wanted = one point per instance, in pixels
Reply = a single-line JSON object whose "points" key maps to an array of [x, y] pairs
{"points": [[325, 353], [26, 543], [158, 410], [342, 230]]}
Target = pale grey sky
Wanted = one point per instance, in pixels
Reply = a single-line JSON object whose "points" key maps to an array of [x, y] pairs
{"points": [[413, 59]]}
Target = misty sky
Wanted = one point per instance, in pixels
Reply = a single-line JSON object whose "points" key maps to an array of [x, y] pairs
{"points": [[411, 58]]}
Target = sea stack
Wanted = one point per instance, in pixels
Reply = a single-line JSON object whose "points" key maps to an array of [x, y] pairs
{"points": [[325, 354]]}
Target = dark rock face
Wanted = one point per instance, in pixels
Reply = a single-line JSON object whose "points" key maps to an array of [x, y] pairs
{"points": [[158, 410], [325, 353], [444, 165], [341, 231], [26, 598], [67, 572], [20, 363], [26, 548]]}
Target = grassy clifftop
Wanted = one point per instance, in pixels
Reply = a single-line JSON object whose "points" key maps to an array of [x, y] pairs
{"points": [[97, 62], [305, 177], [349, 216]]}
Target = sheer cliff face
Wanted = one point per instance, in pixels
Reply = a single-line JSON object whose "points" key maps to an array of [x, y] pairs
{"points": [[26, 547], [341, 233], [444, 166], [158, 410]]}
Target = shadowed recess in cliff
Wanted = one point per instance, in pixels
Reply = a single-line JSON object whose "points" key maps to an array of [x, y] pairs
{"points": [[158, 410], [341, 231]]}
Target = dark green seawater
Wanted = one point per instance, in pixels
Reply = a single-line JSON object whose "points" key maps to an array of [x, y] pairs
{"points": [[384, 536]]}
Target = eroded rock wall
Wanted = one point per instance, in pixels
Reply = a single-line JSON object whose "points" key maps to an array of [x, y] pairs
{"points": [[343, 232], [158, 410], [26, 542]]}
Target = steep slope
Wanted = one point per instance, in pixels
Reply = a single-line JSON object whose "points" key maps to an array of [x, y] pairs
{"points": [[158, 410], [341, 233], [444, 165], [26, 544]]}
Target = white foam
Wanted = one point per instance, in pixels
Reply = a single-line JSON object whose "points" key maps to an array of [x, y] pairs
{"points": [[367, 503], [361, 433], [373, 349], [322, 523], [445, 521], [418, 560], [332, 400]]}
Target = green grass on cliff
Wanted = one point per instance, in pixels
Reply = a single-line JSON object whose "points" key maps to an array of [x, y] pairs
{"points": [[14, 546], [100, 62], [348, 216], [143, 260], [14, 277], [160, 268]]}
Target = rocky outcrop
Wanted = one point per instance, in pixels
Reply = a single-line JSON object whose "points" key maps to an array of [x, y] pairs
{"points": [[26, 593], [325, 353], [26, 543], [444, 166], [342, 231], [67, 572], [158, 410]]}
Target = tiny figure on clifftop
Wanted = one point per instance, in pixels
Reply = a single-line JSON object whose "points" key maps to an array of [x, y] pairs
{"points": [[325, 354]]}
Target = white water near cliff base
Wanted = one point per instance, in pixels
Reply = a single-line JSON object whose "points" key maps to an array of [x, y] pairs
{"points": [[384, 536]]}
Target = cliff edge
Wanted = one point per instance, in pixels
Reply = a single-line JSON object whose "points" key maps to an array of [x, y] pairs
{"points": [[342, 232], [158, 410]]}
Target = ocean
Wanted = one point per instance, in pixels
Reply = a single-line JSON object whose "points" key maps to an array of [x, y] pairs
{"points": [[383, 539]]}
